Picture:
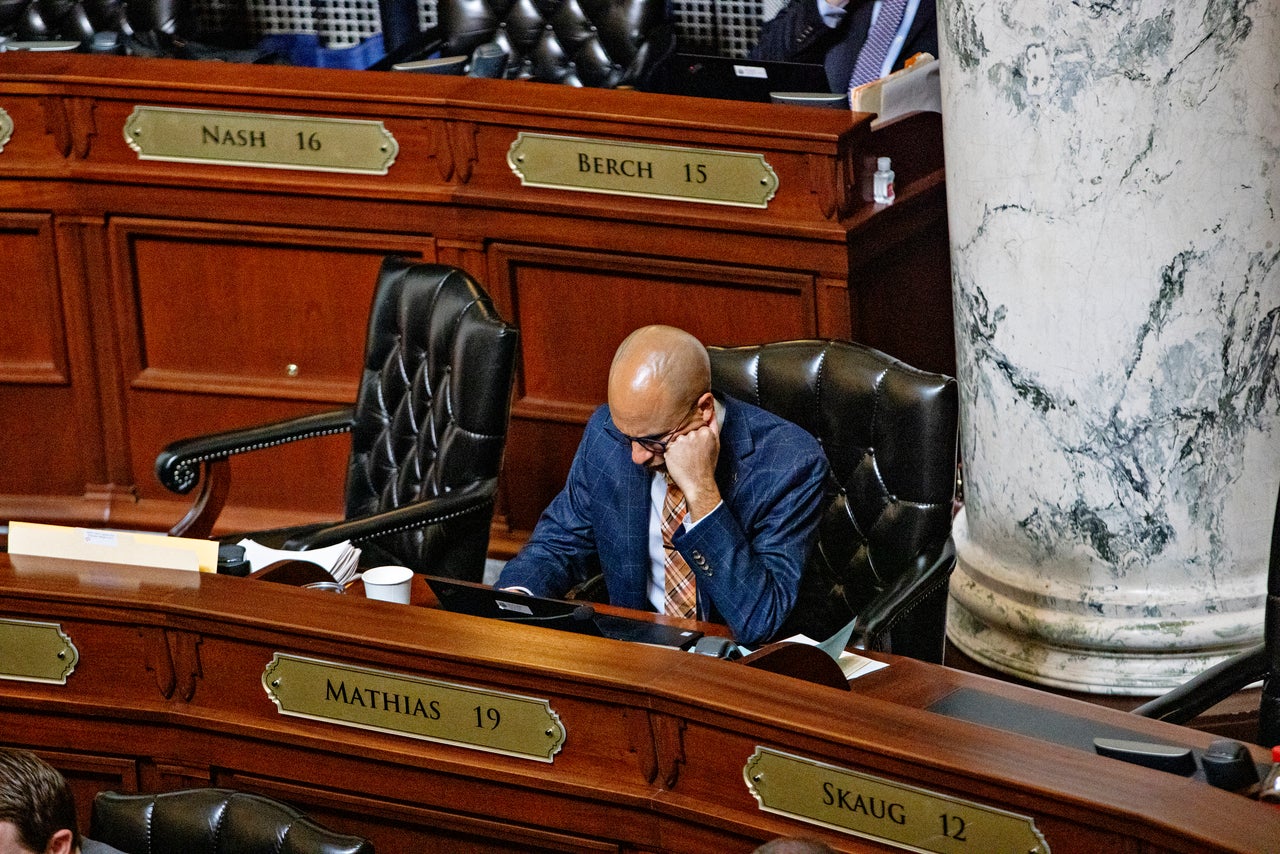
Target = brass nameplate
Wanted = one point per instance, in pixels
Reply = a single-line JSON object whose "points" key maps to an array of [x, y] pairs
{"points": [[36, 652], [412, 706], [262, 140], [899, 815], [6, 128], [642, 169]]}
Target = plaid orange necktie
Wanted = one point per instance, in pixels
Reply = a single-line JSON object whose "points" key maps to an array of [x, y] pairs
{"points": [[681, 595]]}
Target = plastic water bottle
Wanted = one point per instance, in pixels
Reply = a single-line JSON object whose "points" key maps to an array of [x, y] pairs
{"points": [[882, 182]]}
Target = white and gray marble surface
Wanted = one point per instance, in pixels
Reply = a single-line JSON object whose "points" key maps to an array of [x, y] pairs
{"points": [[1113, 179]]}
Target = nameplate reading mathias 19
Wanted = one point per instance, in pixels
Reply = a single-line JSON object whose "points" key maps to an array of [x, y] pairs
{"points": [[36, 652], [258, 139], [366, 698], [892, 813], [6, 128], [643, 169]]}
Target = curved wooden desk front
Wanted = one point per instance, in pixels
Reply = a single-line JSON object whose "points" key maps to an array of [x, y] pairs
{"points": [[168, 692]]}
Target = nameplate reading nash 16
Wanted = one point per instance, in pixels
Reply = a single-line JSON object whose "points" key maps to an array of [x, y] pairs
{"points": [[642, 169], [362, 697], [258, 139], [36, 652], [6, 128], [902, 816]]}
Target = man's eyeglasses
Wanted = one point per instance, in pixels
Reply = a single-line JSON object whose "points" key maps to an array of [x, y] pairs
{"points": [[654, 443]]}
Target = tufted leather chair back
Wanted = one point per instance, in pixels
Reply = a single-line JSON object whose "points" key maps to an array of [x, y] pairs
{"points": [[432, 411], [212, 821], [600, 43], [889, 432]]}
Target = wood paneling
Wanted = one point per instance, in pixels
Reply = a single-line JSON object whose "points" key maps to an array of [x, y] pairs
{"points": [[176, 295], [168, 692]]}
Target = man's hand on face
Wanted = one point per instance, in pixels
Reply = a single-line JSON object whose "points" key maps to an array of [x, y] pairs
{"points": [[691, 461]]}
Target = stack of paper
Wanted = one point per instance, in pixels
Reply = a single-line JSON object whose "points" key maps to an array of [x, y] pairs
{"points": [[134, 548], [339, 559], [913, 89]]}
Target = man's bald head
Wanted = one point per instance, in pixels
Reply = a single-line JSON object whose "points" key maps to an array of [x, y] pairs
{"points": [[658, 373]]}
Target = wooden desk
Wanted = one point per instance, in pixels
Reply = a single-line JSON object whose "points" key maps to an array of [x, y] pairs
{"points": [[168, 692], [147, 300]]}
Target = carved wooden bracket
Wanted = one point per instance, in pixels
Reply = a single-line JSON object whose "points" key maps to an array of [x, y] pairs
{"points": [[669, 736], [83, 126], [57, 124], [453, 147], [834, 182], [71, 124], [185, 649], [174, 659]]}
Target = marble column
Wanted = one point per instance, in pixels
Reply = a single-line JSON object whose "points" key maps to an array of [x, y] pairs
{"points": [[1113, 182]]}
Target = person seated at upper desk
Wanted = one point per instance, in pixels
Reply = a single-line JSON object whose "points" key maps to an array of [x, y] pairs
{"points": [[855, 40], [749, 483], [37, 811]]}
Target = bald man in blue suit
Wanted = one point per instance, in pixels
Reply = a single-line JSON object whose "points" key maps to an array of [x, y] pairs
{"points": [[753, 484]]}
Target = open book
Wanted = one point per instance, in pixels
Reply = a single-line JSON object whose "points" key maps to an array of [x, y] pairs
{"points": [[851, 664], [339, 560]]}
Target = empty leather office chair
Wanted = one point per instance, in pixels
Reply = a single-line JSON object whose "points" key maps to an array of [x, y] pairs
{"points": [[212, 821], [884, 551], [604, 44], [427, 431], [1219, 682]]}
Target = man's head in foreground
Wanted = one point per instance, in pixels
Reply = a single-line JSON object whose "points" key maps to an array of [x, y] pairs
{"points": [[37, 812]]}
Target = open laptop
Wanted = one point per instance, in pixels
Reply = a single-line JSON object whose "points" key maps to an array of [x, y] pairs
{"points": [[743, 79], [462, 597]]}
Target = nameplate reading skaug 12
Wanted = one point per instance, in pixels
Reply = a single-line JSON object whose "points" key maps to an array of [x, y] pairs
{"points": [[32, 651], [903, 816], [259, 139], [366, 698], [642, 169]]}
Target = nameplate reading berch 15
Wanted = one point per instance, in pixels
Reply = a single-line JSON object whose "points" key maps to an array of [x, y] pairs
{"points": [[399, 704], [902, 816], [259, 139], [645, 170]]}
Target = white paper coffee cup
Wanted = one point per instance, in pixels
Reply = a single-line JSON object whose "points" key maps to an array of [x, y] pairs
{"points": [[388, 583]]}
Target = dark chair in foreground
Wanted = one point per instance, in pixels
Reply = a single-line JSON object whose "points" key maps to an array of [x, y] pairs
{"points": [[604, 44], [427, 431], [884, 551], [212, 821], [1219, 682]]}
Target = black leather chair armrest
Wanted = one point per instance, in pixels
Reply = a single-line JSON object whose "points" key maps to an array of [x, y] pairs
{"points": [[475, 498], [177, 466], [928, 574], [1209, 688]]}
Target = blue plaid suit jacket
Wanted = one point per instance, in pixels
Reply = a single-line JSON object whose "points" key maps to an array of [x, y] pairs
{"points": [[747, 555]]}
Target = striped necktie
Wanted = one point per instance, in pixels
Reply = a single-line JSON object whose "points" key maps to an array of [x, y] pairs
{"points": [[681, 596], [876, 47]]}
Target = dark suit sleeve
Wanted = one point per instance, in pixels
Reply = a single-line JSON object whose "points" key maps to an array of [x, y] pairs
{"points": [[749, 553], [562, 550], [797, 34]]}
